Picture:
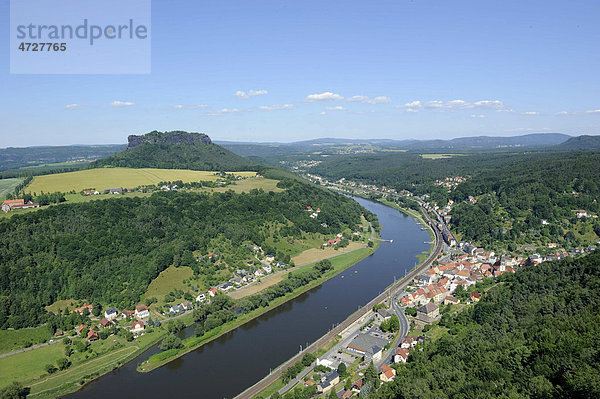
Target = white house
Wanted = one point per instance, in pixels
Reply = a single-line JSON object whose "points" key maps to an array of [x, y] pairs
{"points": [[141, 312], [201, 298], [111, 314], [137, 326]]}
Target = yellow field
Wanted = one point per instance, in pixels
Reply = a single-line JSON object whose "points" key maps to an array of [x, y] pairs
{"points": [[317, 254], [104, 178]]}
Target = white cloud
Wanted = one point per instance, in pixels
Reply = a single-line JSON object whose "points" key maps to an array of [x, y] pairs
{"points": [[122, 104], [593, 111], [224, 111], [250, 93], [461, 104], [505, 110], [413, 104], [477, 116], [276, 107], [196, 106], [530, 113], [562, 113], [325, 96], [494, 104], [336, 108], [369, 100], [411, 110], [323, 113], [75, 106]]}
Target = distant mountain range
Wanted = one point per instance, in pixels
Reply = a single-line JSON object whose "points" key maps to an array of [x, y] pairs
{"points": [[461, 144], [151, 149]]}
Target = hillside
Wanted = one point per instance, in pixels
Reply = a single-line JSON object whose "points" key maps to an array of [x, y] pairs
{"points": [[579, 143], [533, 336], [176, 150], [92, 250]]}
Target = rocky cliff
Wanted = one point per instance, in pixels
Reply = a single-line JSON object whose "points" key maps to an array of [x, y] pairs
{"points": [[175, 137]]}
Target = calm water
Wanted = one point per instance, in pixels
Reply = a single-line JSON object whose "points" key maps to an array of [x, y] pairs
{"points": [[235, 361]]}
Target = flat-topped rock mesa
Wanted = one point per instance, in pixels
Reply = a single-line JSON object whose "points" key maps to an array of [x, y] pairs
{"points": [[175, 137]]}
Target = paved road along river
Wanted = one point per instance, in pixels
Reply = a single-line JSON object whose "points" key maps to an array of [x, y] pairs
{"points": [[235, 361]]}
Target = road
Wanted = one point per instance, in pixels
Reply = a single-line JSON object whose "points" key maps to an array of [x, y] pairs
{"points": [[391, 292]]}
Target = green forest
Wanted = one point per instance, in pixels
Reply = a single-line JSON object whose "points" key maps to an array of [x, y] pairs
{"points": [[108, 251], [515, 191], [534, 335]]}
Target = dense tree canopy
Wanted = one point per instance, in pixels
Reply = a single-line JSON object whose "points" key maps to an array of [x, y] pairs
{"points": [[110, 250]]}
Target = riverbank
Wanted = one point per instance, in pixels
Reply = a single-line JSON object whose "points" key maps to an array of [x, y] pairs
{"points": [[273, 382], [339, 263]]}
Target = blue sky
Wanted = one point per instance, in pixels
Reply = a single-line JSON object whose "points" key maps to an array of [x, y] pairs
{"points": [[358, 69]]}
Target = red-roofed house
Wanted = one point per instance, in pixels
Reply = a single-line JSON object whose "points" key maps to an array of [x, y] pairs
{"points": [[401, 355], [82, 309], [142, 312], [387, 373], [92, 336], [80, 328], [105, 322], [137, 326]]}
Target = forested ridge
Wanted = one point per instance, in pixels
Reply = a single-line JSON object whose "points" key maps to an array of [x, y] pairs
{"points": [[109, 250], [519, 196], [534, 335], [515, 191]]}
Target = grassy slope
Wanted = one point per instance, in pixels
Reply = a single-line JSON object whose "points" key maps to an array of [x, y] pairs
{"points": [[15, 339], [104, 178], [7, 186]]}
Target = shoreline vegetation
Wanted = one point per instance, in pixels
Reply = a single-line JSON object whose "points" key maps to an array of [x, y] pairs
{"points": [[339, 263]]}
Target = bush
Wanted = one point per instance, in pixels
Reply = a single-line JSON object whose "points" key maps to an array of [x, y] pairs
{"points": [[50, 369]]}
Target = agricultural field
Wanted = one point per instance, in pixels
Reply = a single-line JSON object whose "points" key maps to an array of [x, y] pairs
{"points": [[103, 178], [7, 186], [316, 254]]}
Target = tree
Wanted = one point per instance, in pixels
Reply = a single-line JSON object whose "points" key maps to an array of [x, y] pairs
{"points": [[14, 391], [308, 359], [63, 363], [50, 369], [371, 374], [199, 330], [171, 341], [342, 369], [348, 384]]}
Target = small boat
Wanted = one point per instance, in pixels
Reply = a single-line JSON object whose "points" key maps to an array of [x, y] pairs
{"points": [[342, 276], [356, 271]]}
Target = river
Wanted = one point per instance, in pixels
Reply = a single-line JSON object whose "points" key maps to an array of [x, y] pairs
{"points": [[228, 365]]}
